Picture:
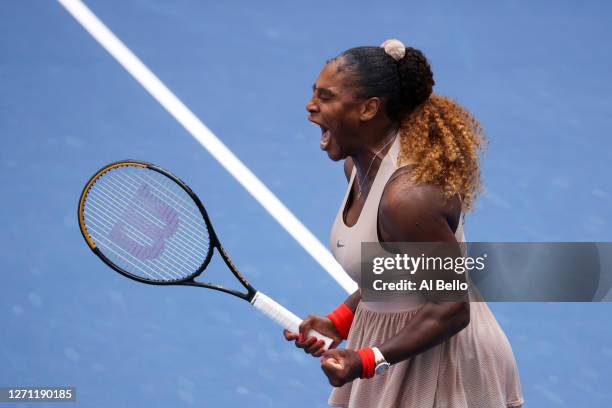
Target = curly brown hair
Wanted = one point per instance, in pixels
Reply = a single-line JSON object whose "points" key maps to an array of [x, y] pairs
{"points": [[444, 140]]}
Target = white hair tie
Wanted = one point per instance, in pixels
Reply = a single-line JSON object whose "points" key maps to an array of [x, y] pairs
{"points": [[394, 48]]}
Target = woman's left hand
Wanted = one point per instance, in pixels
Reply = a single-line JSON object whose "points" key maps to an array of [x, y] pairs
{"points": [[341, 366]]}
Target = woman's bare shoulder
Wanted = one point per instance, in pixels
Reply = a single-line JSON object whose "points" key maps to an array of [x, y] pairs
{"points": [[416, 212]]}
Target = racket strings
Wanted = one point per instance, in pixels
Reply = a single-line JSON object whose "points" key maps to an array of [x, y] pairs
{"points": [[161, 189], [136, 224], [143, 217], [106, 227], [146, 224]]}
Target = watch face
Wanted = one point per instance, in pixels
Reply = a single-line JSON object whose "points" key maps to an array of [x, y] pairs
{"points": [[381, 368]]}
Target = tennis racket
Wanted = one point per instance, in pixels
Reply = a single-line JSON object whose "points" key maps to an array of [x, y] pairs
{"points": [[147, 224]]}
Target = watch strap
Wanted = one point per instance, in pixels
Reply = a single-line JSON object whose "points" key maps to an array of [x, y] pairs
{"points": [[378, 356]]}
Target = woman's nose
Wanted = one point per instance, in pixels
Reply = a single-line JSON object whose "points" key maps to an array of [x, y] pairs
{"points": [[311, 106]]}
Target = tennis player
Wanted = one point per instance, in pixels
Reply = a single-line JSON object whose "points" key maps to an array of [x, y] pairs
{"points": [[411, 159]]}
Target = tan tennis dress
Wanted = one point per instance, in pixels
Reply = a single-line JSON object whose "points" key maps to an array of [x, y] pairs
{"points": [[473, 369]]}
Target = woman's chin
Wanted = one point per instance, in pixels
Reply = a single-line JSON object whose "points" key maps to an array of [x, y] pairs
{"points": [[334, 154]]}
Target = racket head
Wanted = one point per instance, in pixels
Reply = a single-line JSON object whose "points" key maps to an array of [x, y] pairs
{"points": [[146, 223]]}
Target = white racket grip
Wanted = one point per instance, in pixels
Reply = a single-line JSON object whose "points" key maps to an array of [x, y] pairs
{"points": [[284, 317]]}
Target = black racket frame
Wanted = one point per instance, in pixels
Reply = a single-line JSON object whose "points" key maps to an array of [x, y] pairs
{"points": [[214, 240]]}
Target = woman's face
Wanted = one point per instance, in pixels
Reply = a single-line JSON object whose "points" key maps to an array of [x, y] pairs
{"points": [[336, 109]]}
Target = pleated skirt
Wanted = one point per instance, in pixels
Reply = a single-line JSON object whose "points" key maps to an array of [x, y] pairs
{"points": [[473, 369]]}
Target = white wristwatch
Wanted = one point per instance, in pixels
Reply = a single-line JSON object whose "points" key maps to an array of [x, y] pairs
{"points": [[380, 364]]}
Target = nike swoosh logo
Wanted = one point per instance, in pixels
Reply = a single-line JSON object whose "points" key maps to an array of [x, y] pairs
{"points": [[339, 245]]}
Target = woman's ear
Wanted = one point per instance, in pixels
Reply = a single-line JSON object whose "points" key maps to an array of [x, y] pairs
{"points": [[370, 108]]}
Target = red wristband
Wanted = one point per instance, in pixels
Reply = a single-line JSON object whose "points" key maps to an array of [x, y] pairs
{"points": [[342, 318], [368, 362]]}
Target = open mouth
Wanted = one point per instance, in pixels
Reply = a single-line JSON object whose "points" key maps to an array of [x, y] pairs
{"points": [[325, 136]]}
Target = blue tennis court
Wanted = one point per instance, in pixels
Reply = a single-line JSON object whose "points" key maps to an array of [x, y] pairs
{"points": [[536, 74]]}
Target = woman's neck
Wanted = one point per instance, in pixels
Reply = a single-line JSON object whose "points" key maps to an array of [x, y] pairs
{"points": [[368, 159]]}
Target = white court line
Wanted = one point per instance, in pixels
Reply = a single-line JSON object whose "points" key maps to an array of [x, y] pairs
{"points": [[202, 134]]}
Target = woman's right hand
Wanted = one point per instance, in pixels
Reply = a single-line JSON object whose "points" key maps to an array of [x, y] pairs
{"points": [[311, 345]]}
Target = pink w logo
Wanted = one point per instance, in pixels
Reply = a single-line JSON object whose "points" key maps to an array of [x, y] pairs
{"points": [[147, 218]]}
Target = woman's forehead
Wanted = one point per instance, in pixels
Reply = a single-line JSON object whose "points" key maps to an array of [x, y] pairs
{"points": [[332, 76]]}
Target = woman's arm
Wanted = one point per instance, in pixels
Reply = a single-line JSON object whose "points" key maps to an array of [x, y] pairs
{"points": [[431, 325], [420, 214], [353, 300]]}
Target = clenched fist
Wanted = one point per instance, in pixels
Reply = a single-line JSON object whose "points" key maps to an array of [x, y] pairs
{"points": [[341, 366]]}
